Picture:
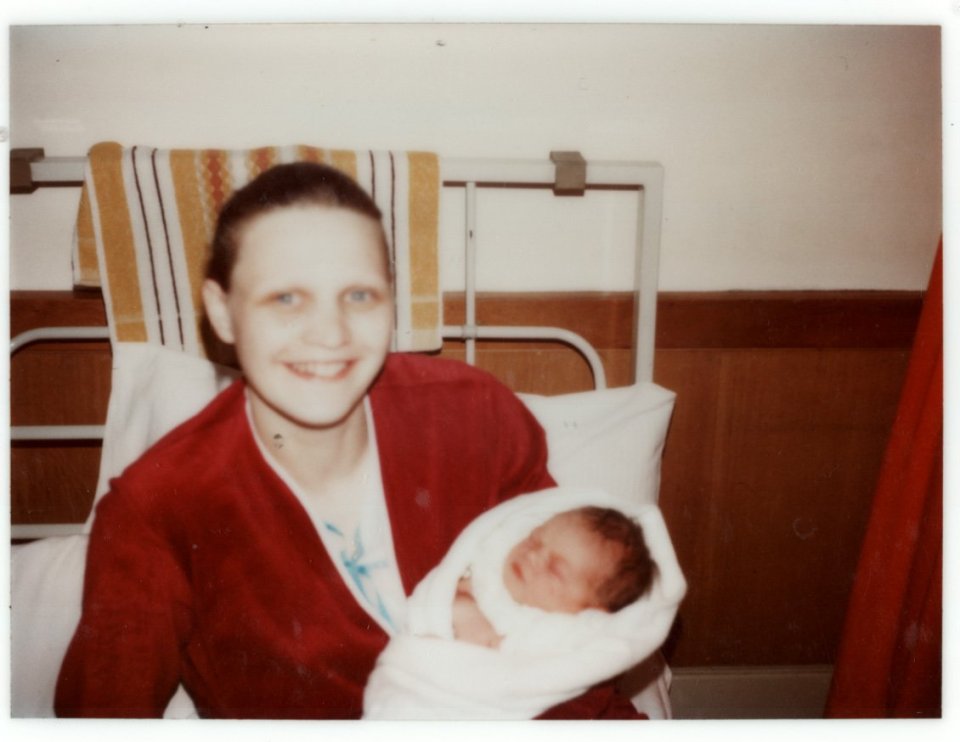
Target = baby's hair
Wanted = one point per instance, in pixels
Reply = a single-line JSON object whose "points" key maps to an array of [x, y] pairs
{"points": [[633, 575], [293, 184]]}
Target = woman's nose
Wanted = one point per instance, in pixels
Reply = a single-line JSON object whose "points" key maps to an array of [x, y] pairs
{"points": [[327, 327]]}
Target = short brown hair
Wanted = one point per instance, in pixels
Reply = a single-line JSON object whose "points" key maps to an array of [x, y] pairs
{"points": [[293, 184], [633, 575]]}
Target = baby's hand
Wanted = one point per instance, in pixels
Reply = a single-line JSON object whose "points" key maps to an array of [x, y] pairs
{"points": [[469, 624]]}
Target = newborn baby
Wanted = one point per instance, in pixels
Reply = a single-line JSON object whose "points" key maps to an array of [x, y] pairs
{"points": [[589, 557], [538, 600]]}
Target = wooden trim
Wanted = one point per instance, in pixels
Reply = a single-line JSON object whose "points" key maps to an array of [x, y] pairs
{"points": [[788, 319], [31, 309], [739, 319]]}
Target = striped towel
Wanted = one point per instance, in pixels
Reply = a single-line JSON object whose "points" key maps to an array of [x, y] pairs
{"points": [[147, 217]]}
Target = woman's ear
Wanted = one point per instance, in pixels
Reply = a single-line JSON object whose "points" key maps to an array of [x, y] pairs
{"points": [[215, 304]]}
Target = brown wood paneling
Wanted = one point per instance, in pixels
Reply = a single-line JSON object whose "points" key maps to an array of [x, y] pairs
{"points": [[768, 475], [784, 405], [545, 369], [52, 484], [56, 383], [604, 319], [60, 383]]}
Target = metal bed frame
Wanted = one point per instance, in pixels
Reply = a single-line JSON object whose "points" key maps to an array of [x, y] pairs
{"points": [[469, 174]]}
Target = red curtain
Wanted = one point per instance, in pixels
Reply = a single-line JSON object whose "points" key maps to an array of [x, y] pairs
{"points": [[889, 663]]}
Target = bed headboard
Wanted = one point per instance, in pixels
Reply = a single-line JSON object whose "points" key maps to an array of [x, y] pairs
{"points": [[567, 174]]}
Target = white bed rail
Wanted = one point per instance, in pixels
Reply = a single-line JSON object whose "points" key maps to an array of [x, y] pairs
{"points": [[56, 432], [53, 432]]}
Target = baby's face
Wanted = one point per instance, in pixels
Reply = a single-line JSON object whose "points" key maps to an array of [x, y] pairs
{"points": [[559, 566]]}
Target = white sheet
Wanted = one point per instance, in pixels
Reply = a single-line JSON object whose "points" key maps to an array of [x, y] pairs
{"points": [[45, 589]]}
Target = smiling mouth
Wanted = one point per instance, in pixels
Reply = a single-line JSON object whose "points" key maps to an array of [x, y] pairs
{"points": [[323, 370]]}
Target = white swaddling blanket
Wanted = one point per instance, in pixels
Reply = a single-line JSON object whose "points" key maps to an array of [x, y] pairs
{"points": [[545, 658]]}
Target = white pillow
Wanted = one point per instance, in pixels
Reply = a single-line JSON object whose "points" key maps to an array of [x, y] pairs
{"points": [[610, 439]]}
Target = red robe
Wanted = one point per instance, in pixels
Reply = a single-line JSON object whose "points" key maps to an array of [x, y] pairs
{"points": [[204, 568]]}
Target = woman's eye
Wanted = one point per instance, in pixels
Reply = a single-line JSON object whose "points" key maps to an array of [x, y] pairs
{"points": [[360, 296], [285, 298]]}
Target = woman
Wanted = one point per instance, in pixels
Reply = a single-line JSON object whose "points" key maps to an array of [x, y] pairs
{"points": [[260, 553]]}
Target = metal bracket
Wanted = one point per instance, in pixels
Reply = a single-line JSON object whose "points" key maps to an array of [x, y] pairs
{"points": [[571, 173], [21, 179]]}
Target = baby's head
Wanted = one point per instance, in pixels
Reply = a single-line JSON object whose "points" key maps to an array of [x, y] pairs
{"points": [[590, 557]]}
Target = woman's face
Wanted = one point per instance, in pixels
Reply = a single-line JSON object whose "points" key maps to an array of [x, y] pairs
{"points": [[310, 311]]}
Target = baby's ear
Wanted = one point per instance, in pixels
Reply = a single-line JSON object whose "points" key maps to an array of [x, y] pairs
{"points": [[215, 304]]}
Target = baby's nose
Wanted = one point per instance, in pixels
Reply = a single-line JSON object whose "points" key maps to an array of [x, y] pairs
{"points": [[537, 556]]}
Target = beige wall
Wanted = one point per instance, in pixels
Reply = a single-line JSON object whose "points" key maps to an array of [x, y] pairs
{"points": [[796, 157]]}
